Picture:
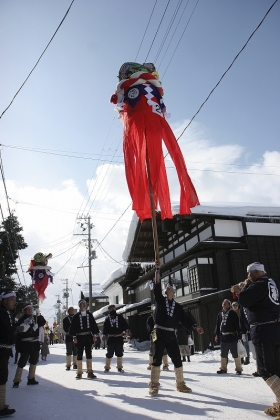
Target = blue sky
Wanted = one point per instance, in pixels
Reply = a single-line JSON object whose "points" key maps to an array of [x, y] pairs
{"points": [[65, 106]]}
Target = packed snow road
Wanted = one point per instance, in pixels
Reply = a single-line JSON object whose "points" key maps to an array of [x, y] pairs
{"points": [[122, 396]]}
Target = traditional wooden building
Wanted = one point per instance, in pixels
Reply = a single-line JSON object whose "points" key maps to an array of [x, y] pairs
{"points": [[202, 255]]}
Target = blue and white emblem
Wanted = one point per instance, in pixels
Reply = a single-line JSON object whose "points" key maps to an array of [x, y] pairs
{"points": [[273, 293]]}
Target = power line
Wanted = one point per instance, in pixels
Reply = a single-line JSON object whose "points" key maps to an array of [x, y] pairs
{"points": [[235, 58], [175, 30], [157, 29], [168, 29], [187, 24], [114, 162], [44, 151], [146, 30], [37, 61]]}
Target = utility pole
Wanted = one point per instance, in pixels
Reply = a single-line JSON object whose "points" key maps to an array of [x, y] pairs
{"points": [[66, 292], [57, 306], [91, 254]]}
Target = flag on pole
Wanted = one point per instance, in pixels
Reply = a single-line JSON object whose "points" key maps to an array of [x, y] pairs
{"points": [[41, 274], [139, 101]]}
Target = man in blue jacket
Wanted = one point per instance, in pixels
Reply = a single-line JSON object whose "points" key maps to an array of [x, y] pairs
{"points": [[260, 297]]}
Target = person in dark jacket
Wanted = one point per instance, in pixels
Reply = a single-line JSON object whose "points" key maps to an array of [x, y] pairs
{"points": [[51, 337], [260, 297], [8, 331], [70, 346], [113, 328], [227, 333], [29, 346], [84, 330], [150, 323], [183, 336], [168, 314]]}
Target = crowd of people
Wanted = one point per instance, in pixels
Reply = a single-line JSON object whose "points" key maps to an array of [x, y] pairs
{"points": [[252, 319]]}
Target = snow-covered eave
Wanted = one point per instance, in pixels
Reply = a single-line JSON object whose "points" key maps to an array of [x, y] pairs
{"points": [[113, 276], [103, 310], [131, 306], [237, 210]]}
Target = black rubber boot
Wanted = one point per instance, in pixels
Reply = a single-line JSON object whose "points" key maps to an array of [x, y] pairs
{"points": [[188, 357], [7, 412], [16, 385], [32, 382], [184, 359], [247, 361]]}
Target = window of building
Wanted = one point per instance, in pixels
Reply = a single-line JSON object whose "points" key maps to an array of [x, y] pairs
{"points": [[168, 257], [117, 300], [205, 234], [179, 250], [193, 278], [185, 278], [191, 242]]}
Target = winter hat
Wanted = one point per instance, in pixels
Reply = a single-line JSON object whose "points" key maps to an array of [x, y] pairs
{"points": [[6, 295], [228, 301], [26, 305], [256, 266]]}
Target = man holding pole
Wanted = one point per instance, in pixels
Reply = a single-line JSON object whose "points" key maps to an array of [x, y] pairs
{"points": [[29, 345], [168, 315]]}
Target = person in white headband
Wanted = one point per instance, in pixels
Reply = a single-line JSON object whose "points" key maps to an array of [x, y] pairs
{"points": [[256, 266], [260, 298]]}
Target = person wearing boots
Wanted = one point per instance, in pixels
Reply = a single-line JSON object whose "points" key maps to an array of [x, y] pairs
{"points": [[29, 345], [260, 298], [227, 332], [168, 314], [150, 323], [183, 335], [114, 326], [71, 348], [245, 330], [84, 330], [8, 331], [245, 335]]}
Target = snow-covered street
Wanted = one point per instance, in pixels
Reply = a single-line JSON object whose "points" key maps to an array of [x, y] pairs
{"points": [[120, 395]]}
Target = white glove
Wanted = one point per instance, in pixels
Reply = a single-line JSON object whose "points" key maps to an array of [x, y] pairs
{"points": [[35, 327], [38, 312], [24, 327], [244, 338]]}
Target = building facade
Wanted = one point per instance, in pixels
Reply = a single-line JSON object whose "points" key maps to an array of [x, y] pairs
{"points": [[202, 255]]}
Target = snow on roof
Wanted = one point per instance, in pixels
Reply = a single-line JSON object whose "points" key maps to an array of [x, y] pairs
{"points": [[130, 236], [127, 308], [237, 209], [103, 310], [114, 275]]}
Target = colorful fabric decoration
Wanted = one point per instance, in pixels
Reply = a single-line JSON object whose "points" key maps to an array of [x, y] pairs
{"points": [[41, 274], [139, 102]]}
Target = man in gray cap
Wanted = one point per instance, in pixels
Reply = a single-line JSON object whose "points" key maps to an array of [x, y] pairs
{"points": [[260, 297]]}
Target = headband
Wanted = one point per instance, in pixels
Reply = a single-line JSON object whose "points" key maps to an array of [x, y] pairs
{"points": [[256, 266], [26, 306], [228, 301], [6, 295], [82, 300]]}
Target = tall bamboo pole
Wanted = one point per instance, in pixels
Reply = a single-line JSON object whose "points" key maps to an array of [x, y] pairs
{"points": [[154, 220]]}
